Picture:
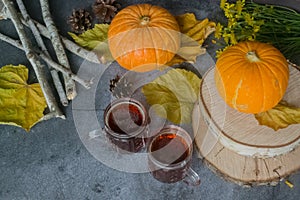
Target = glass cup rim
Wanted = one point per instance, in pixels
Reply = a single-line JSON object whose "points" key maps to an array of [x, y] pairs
{"points": [[117, 102], [183, 134]]}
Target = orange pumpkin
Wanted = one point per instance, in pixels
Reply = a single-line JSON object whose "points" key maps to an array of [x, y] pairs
{"points": [[143, 37], [252, 77]]}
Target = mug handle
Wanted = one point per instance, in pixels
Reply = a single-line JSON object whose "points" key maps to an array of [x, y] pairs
{"points": [[191, 178]]}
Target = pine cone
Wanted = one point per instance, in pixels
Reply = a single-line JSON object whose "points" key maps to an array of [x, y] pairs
{"points": [[80, 20], [105, 10]]}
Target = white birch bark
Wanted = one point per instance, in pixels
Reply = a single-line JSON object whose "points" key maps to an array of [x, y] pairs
{"points": [[62, 69], [56, 80], [32, 57], [59, 48]]}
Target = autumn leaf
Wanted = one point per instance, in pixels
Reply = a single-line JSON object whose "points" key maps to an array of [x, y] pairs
{"points": [[91, 38], [21, 104], [199, 30], [194, 32], [176, 92], [281, 116], [95, 40]]}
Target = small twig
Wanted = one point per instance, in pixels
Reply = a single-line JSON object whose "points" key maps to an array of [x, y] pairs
{"points": [[57, 83], [49, 61], [66, 71], [58, 48], [71, 46], [33, 59], [289, 184], [294, 65], [3, 14], [50, 116]]}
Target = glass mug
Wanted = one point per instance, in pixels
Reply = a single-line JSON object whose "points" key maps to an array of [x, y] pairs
{"points": [[125, 124], [169, 156]]}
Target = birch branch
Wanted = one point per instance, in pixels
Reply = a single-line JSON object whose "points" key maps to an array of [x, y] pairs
{"points": [[3, 14], [33, 59], [70, 45], [294, 65], [56, 80], [67, 72], [49, 61], [59, 48]]}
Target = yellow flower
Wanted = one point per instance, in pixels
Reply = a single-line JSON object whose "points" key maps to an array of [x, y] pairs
{"points": [[249, 19], [256, 28], [218, 31], [251, 37], [222, 4], [229, 6], [238, 16], [218, 53], [232, 38], [228, 14], [232, 22], [226, 37], [239, 6], [229, 10]]}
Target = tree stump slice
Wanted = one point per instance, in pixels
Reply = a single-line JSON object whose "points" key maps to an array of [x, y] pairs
{"points": [[236, 146]]}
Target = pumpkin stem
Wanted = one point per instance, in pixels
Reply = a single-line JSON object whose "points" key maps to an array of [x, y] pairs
{"points": [[145, 20], [252, 56]]}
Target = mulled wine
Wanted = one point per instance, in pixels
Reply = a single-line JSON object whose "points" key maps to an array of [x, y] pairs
{"points": [[169, 149], [125, 123], [125, 119], [169, 156]]}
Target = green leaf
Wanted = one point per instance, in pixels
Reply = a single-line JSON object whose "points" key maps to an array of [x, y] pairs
{"points": [[20, 104], [91, 38], [281, 116], [95, 40], [176, 92]]}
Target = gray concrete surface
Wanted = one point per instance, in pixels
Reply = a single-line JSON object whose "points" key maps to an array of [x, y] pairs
{"points": [[51, 162]]}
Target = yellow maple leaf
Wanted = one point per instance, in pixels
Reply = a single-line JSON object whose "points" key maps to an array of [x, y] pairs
{"points": [[199, 30], [21, 104], [95, 40], [281, 116], [176, 92], [194, 32]]}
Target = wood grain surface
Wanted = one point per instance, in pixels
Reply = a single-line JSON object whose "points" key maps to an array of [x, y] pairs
{"points": [[236, 146]]}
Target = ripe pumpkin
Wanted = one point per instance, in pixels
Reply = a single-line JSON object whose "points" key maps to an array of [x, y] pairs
{"points": [[251, 77], [143, 37]]}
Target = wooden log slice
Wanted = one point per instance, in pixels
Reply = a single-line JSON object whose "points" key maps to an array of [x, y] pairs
{"points": [[235, 145]]}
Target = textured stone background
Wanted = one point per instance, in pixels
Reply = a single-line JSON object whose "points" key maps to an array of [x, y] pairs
{"points": [[51, 162]]}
